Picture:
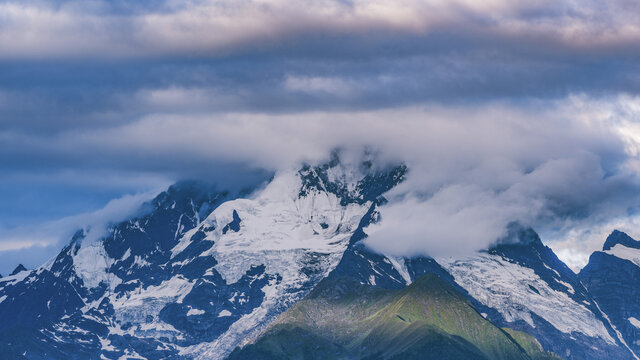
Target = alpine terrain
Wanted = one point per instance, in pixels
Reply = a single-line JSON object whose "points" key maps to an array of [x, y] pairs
{"points": [[280, 271]]}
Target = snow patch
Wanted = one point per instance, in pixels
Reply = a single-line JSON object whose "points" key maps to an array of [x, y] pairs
{"points": [[192, 312], [504, 286], [626, 253], [277, 221], [126, 255], [400, 266], [91, 263]]}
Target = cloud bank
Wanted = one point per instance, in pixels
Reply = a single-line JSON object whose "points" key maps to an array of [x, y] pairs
{"points": [[559, 166], [504, 110], [34, 28], [556, 166]]}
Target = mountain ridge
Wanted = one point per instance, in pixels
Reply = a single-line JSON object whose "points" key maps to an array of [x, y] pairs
{"points": [[613, 277], [201, 271]]}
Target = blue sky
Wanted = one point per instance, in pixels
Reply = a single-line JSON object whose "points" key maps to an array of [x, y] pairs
{"points": [[531, 107]]}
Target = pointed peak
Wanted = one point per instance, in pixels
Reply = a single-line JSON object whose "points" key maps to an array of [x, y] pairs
{"points": [[619, 237], [519, 235], [185, 191], [358, 179], [20, 268]]}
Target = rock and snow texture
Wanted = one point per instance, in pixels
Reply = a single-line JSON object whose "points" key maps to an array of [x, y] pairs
{"points": [[199, 272], [626, 253], [524, 286], [518, 293], [612, 276], [299, 239]]}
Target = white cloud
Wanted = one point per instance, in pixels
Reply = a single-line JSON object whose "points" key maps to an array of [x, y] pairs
{"points": [[564, 164], [474, 168], [456, 220], [58, 232], [321, 85]]}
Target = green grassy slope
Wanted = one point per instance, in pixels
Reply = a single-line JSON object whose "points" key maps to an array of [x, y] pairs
{"points": [[427, 320], [531, 345]]}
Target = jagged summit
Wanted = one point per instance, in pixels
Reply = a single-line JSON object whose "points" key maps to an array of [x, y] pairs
{"points": [[20, 268], [612, 276], [520, 236], [521, 284], [197, 271], [619, 237], [352, 183]]}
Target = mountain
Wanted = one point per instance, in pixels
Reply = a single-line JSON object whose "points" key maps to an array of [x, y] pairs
{"points": [[613, 278], [429, 319], [196, 273], [521, 284], [20, 268], [201, 271]]}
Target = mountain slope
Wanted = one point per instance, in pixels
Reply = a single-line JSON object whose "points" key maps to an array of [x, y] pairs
{"points": [[340, 319], [613, 278], [196, 273], [200, 271], [521, 284]]}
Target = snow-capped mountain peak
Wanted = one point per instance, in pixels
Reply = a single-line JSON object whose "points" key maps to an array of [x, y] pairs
{"points": [[198, 271], [612, 276]]}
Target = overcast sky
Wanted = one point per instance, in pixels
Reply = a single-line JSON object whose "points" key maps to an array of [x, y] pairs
{"points": [[505, 110]]}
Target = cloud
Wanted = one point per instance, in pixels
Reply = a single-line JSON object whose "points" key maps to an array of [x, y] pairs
{"points": [[35, 243], [474, 168], [321, 86], [503, 109], [557, 165], [36, 29], [456, 220]]}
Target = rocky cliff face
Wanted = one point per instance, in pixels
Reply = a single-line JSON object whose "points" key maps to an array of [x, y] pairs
{"points": [[521, 284], [612, 276]]}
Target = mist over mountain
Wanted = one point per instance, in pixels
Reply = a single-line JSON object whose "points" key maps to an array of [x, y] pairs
{"points": [[286, 268], [361, 179]]}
